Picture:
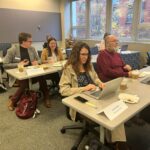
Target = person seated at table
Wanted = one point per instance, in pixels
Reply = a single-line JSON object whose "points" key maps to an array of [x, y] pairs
{"points": [[78, 76], [109, 63], [45, 43], [23, 53], [102, 42], [52, 54]]}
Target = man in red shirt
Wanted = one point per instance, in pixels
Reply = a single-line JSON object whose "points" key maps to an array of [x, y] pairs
{"points": [[109, 63]]}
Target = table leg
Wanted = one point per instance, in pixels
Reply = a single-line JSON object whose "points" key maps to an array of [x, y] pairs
{"points": [[30, 84], [102, 134], [1, 80]]}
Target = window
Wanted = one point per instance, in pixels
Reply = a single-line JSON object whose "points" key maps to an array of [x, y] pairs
{"points": [[122, 16], [97, 18], [79, 18], [144, 24], [88, 24], [129, 20]]}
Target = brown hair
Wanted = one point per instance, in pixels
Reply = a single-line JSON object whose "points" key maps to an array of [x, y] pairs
{"points": [[24, 37], [74, 58], [48, 47]]}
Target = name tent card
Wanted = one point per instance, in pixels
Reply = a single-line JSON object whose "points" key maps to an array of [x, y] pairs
{"points": [[114, 110]]}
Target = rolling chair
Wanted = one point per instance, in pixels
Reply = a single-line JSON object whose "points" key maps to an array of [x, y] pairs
{"points": [[4, 47], [86, 127], [148, 58], [145, 114], [94, 50], [124, 47]]}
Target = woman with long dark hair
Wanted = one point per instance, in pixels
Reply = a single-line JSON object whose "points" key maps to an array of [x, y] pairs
{"points": [[78, 76]]}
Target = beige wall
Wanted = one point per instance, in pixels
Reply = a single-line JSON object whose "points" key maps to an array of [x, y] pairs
{"points": [[35, 5]]}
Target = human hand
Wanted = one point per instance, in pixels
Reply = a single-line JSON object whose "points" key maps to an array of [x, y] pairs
{"points": [[90, 87], [24, 62], [130, 74], [127, 67], [34, 63], [102, 85]]}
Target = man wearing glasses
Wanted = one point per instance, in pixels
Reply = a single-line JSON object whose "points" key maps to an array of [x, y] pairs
{"points": [[109, 63], [24, 54]]}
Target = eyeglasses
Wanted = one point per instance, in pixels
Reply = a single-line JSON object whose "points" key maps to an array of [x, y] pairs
{"points": [[84, 54], [115, 41], [29, 41]]}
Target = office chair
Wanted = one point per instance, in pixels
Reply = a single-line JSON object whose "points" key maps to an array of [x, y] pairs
{"points": [[94, 50], [86, 127], [4, 47], [124, 47], [148, 58], [145, 114], [68, 52]]}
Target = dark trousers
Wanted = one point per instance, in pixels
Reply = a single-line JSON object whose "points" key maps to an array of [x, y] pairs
{"points": [[24, 84], [54, 77]]}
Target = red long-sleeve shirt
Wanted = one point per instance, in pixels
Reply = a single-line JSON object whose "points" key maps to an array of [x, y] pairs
{"points": [[110, 66]]}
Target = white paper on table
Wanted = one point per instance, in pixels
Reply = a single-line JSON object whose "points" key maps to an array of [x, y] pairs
{"points": [[59, 64], [129, 98], [144, 73], [34, 71], [114, 109]]}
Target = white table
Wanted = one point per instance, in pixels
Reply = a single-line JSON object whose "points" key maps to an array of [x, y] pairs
{"points": [[56, 67], [134, 87]]}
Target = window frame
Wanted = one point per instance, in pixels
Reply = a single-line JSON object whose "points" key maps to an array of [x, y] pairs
{"points": [[136, 25]]}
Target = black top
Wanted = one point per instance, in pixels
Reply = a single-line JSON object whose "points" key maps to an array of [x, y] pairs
{"points": [[84, 79], [45, 45], [24, 54]]}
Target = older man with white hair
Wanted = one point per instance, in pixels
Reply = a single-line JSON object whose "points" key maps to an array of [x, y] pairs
{"points": [[109, 63]]}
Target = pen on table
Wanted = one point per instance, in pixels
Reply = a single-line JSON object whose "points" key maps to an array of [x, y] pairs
{"points": [[90, 104]]}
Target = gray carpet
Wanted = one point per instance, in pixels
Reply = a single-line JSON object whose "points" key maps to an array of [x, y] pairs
{"points": [[43, 132]]}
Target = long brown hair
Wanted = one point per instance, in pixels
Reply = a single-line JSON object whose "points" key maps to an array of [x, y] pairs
{"points": [[74, 58], [48, 47]]}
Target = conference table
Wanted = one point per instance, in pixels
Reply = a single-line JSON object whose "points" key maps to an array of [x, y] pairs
{"points": [[36, 71], [134, 87]]}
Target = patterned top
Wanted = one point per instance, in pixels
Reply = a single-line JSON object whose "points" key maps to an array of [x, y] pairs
{"points": [[84, 79]]}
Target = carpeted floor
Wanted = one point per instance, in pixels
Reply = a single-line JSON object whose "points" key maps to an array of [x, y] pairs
{"points": [[43, 132]]}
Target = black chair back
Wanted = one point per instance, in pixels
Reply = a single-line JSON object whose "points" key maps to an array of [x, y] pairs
{"points": [[94, 50], [148, 58], [124, 47], [4, 47]]}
